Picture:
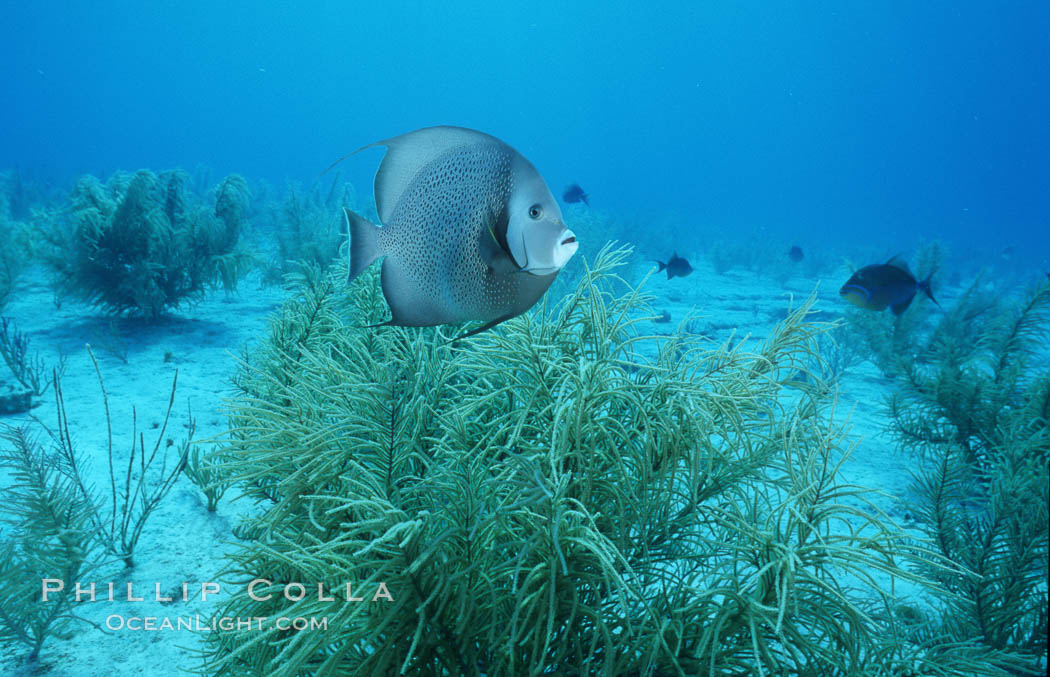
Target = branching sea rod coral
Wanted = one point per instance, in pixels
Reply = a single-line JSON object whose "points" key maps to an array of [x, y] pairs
{"points": [[307, 229], [976, 412], [57, 530], [49, 535], [144, 243], [14, 250], [551, 498]]}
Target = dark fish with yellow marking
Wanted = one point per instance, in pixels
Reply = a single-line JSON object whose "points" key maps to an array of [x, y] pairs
{"points": [[676, 266], [885, 285]]}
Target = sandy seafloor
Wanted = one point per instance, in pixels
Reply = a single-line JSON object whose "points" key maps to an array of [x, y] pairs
{"points": [[184, 543]]}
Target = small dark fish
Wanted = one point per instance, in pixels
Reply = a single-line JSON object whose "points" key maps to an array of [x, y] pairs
{"points": [[676, 266], [575, 194], [883, 285], [796, 254], [664, 317], [1008, 252]]}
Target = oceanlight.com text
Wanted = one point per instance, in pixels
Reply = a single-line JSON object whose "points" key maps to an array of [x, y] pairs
{"points": [[197, 623]]}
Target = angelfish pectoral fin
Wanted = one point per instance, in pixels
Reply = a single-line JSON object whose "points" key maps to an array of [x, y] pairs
{"points": [[493, 250]]}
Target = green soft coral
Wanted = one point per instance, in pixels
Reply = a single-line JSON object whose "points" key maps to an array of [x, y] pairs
{"points": [[974, 409], [142, 242], [561, 495]]}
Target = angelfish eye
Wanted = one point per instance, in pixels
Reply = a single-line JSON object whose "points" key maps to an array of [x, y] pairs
{"points": [[535, 211]]}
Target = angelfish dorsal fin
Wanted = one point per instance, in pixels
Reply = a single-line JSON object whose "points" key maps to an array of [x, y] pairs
{"points": [[408, 154]]}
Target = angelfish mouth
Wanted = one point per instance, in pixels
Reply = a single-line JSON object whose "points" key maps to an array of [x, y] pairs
{"points": [[569, 240]]}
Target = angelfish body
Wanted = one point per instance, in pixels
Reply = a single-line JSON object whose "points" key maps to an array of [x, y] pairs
{"points": [[470, 230], [884, 285]]}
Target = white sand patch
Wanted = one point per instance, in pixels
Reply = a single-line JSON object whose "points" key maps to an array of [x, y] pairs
{"points": [[182, 542]]}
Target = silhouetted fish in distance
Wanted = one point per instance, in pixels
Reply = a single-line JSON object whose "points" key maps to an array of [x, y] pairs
{"points": [[675, 267], [574, 194], [796, 254], [883, 285]]}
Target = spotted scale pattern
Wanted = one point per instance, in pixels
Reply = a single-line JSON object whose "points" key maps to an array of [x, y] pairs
{"points": [[434, 232]]}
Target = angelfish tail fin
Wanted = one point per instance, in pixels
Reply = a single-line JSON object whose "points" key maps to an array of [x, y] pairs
{"points": [[925, 287], [662, 266], [364, 243]]}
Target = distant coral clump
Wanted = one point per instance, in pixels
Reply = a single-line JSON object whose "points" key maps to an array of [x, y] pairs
{"points": [[145, 243], [14, 247], [307, 229]]}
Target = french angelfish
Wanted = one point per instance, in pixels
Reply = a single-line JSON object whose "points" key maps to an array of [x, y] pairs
{"points": [[883, 285], [470, 230]]}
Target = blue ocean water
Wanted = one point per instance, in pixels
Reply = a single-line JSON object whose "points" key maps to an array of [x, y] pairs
{"points": [[854, 130], [881, 123]]}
